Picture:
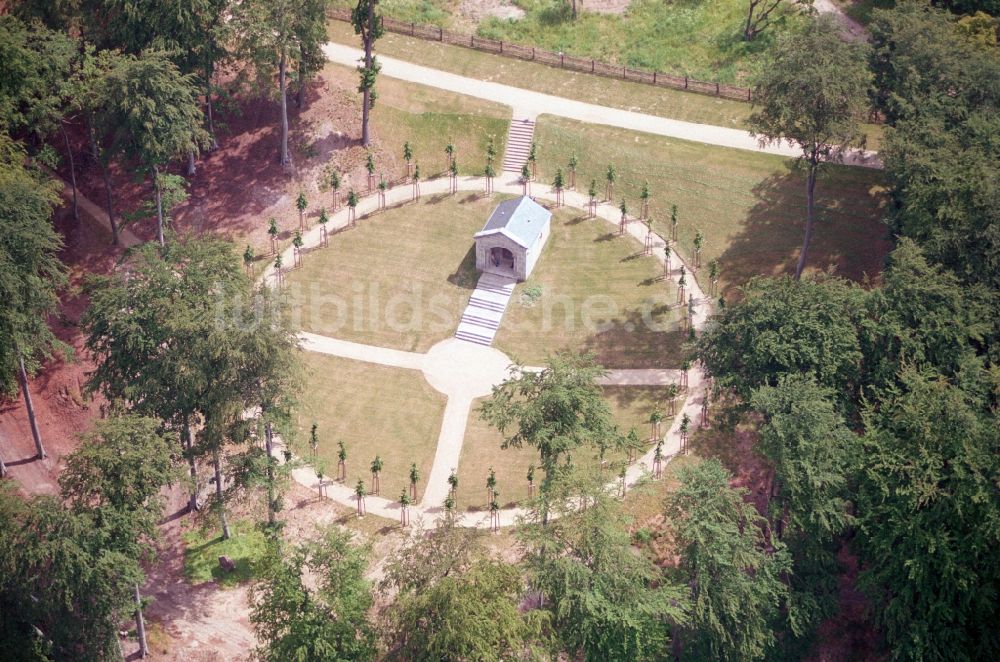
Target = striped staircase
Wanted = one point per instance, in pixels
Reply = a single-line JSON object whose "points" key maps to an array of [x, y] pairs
{"points": [[518, 144], [487, 304]]}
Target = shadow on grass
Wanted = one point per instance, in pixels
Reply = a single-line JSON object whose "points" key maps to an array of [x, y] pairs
{"points": [[465, 275], [849, 239], [639, 339]]}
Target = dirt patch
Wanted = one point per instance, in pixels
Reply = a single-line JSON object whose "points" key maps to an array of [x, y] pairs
{"points": [[604, 6], [474, 11]]}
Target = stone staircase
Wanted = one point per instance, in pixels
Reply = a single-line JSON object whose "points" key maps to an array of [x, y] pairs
{"points": [[487, 304], [519, 137]]}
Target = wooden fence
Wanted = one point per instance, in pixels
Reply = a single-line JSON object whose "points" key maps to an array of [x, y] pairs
{"points": [[560, 60]]}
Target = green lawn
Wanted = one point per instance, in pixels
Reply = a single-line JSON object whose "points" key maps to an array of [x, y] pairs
{"points": [[630, 406], [202, 549], [429, 119], [374, 410], [594, 291], [749, 206], [369, 286]]}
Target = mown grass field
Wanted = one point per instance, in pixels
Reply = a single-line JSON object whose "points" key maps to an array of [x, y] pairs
{"points": [[374, 410], [749, 206], [630, 406], [593, 290], [400, 279]]}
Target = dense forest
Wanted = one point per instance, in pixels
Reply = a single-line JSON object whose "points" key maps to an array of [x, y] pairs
{"points": [[874, 407]]}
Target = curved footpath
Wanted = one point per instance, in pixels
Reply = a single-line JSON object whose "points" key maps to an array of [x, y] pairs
{"points": [[464, 371], [531, 104]]}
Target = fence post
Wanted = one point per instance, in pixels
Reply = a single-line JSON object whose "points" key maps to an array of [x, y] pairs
{"points": [[532, 53], [501, 47], [716, 89], [413, 29], [440, 34], [654, 78], [748, 94], [685, 82], [623, 73], [592, 64], [472, 40], [562, 60]]}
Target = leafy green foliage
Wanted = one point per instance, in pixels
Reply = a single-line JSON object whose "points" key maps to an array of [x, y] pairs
{"points": [[556, 410], [324, 620], [929, 519], [64, 575], [606, 602], [811, 453], [30, 271], [246, 548], [783, 326], [735, 583], [35, 65]]}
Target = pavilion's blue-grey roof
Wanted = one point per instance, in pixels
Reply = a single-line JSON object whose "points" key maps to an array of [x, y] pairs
{"points": [[520, 219]]}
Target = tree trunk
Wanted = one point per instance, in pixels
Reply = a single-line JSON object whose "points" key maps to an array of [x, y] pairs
{"points": [[366, 98], [192, 465], [217, 462], [3, 468], [91, 139], [748, 27], [22, 377], [159, 206], [191, 167], [300, 96], [810, 188], [72, 172], [268, 445], [208, 108], [109, 196], [283, 94], [140, 625]]}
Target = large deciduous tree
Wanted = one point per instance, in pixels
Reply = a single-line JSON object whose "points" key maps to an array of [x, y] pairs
{"points": [[733, 575], [322, 617], [116, 476], [155, 353], [277, 37], [605, 601], [555, 410], [813, 95], [929, 519], [785, 326], [30, 275], [153, 117]]}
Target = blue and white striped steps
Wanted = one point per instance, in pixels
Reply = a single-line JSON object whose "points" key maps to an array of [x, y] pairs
{"points": [[482, 316]]}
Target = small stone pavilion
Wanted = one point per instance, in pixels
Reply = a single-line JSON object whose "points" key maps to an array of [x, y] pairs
{"points": [[512, 239]]}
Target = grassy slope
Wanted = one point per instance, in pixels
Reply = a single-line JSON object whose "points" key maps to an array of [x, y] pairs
{"points": [[750, 207], [630, 406], [597, 290], [375, 410], [202, 549]]}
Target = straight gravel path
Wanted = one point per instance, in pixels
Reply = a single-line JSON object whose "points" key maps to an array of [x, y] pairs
{"points": [[530, 103]]}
